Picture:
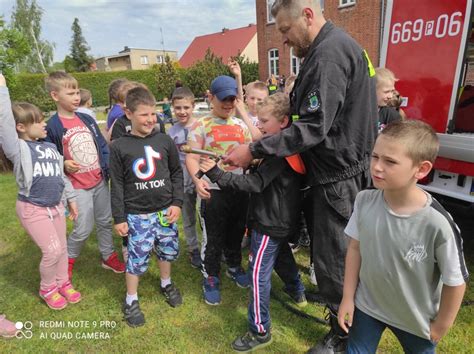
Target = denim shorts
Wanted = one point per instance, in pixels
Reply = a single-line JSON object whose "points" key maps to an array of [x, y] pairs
{"points": [[150, 232]]}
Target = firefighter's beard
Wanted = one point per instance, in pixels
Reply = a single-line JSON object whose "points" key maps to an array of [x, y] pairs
{"points": [[301, 48]]}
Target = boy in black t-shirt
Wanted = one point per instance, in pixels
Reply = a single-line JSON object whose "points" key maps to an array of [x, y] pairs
{"points": [[147, 195]]}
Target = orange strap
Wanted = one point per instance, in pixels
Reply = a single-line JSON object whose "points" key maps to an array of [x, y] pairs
{"points": [[296, 163]]}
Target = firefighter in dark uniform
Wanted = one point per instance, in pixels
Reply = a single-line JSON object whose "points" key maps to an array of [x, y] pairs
{"points": [[334, 110]]}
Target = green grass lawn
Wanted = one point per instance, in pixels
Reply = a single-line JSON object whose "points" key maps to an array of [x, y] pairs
{"points": [[194, 327]]}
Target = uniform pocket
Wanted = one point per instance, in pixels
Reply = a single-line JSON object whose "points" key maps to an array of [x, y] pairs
{"points": [[338, 199]]}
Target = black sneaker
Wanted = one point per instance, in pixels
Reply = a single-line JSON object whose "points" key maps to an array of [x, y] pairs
{"points": [[133, 315], [298, 298], [172, 294], [335, 341], [251, 341], [332, 343], [195, 258]]}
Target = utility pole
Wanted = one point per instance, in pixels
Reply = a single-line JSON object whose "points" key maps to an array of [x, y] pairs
{"points": [[163, 46]]}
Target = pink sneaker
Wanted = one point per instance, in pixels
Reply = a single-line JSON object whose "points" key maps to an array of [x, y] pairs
{"points": [[7, 328], [69, 293], [53, 299]]}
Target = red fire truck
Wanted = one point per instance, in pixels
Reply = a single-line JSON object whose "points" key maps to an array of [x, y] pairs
{"points": [[429, 45]]}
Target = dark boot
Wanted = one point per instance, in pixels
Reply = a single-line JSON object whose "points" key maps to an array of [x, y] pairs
{"points": [[336, 339]]}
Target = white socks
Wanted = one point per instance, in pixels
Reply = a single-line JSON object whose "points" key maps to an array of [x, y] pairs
{"points": [[131, 298], [165, 282]]}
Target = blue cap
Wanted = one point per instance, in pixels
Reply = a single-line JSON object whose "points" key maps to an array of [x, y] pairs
{"points": [[224, 86]]}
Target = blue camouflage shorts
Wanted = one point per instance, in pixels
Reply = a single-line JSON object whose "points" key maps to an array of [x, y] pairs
{"points": [[147, 232]]}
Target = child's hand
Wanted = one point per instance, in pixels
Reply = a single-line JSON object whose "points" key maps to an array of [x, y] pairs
{"points": [[206, 164], [202, 188], [73, 212], [234, 68], [437, 330], [173, 213], [346, 308], [121, 229], [3, 82], [71, 166]]}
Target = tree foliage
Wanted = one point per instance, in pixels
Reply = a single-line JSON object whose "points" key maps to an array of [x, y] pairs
{"points": [[26, 18], [13, 48], [166, 77], [199, 76], [78, 60]]}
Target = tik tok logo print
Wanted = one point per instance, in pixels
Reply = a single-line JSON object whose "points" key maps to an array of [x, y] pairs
{"points": [[145, 168]]}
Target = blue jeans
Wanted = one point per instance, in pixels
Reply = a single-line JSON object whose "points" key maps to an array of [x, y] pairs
{"points": [[264, 251], [365, 333]]}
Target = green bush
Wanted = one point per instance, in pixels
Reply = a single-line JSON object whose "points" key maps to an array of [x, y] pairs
{"points": [[30, 87], [160, 79]]}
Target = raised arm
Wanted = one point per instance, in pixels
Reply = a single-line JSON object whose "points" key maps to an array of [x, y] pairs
{"points": [[8, 136], [242, 112], [235, 70]]}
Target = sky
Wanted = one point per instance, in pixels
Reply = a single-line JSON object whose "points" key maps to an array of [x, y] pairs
{"points": [[110, 25]]}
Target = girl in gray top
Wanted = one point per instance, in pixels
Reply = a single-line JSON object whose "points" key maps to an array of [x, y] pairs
{"points": [[38, 169]]}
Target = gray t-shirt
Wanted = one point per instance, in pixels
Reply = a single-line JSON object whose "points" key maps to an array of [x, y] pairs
{"points": [[179, 134], [405, 259]]}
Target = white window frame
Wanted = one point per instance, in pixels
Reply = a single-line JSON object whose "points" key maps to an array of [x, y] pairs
{"points": [[275, 59], [297, 63], [270, 18], [144, 60], [160, 59], [346, 3]]}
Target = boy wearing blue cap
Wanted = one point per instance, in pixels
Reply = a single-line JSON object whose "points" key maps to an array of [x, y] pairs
{"points": [[222, 212]]}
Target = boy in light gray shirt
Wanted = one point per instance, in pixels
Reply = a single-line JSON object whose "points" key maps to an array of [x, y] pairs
{"points": [[405, 268]]}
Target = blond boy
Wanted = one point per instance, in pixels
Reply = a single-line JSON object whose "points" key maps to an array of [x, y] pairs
{"points": [[78, 138], [385, 88], [404, 268], [182, 101]]}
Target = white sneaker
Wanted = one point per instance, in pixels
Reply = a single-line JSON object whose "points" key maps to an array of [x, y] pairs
{"points": [[312, 275]]}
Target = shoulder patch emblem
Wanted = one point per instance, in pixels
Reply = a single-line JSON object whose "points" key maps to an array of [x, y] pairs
{"points": [[313, 101]]}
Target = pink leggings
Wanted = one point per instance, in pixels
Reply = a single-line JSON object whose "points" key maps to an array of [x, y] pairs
{"points": [[47, 228]]}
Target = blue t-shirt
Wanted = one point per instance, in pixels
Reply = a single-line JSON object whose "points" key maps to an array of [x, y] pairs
{"points": [[115, 113], [48, 185], [179, 134]]}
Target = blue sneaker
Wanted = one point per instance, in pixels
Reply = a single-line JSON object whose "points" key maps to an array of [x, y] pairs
{"points": [[210, 287], [239, 277]]}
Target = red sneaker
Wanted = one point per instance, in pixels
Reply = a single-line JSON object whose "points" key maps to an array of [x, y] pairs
{"points": [[70, 267], [114, 264]]}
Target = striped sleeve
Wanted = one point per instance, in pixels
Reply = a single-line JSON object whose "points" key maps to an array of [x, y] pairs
{"points": [[449, 252]]}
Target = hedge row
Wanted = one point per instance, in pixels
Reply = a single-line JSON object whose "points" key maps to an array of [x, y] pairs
{"points": [[30, 87], [160, 79]]}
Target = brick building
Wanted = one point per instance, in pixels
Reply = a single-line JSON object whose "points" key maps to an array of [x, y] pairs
{"points": [[362, 19]]}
